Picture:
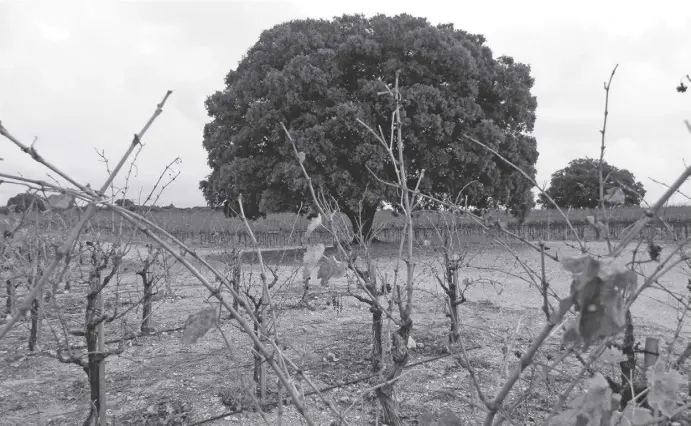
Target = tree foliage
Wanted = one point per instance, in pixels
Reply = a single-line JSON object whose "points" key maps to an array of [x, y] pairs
{"points": [[578, 185], [126, 203], [23, 201], [319, 76]]}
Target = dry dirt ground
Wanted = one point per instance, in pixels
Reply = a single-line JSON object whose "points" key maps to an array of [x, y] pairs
{"points": [[158, 380]]}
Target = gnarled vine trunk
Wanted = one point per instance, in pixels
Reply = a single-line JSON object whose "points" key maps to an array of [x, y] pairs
{"points": [[628, 367], [11, 302], [95, 368], [148, 284], [452, 294], [399, 354], [259, 371], [36, 312], [377, 344]]}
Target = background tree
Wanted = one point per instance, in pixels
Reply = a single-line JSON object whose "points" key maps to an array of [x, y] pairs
{"points": [[577, 185], [319, 76], [126, 203], [23, 201]]}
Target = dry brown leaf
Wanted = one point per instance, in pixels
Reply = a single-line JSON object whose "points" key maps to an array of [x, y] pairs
{"points": [[198, 324]]}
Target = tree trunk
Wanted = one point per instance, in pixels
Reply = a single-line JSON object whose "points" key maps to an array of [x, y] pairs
{"points": [[167, 265], [259, 373], [11, 303], [367, 217], [236, 278], [452, 282], [389, 407], [35, 333], [377, 352], [451, 289], [305, 289], [147, 282], [233, 265], [337, 301], [399, 354], [95, 368], [50, 294], [95, 383], [628, 367], [377, 323], [36, 314]]}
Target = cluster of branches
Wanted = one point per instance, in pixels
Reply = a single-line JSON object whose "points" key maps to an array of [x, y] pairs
{"points": [[601, 293], [268, 349]]}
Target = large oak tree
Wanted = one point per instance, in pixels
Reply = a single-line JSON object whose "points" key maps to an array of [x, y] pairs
{"points": [[318, 76]]}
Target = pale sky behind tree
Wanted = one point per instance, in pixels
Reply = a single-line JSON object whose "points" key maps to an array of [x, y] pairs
{"points": [[85, 76]]}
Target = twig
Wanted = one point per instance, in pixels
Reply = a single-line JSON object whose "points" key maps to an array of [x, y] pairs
{"points": [[667, 186], [602, 156], [268, 356], [74, 234], [650, 213], [525, 360], [545, 285], [177, 160]]}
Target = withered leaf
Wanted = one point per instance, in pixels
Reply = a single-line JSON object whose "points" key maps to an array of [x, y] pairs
{"points": [[198, 324], [601, 290], [331, 268]]}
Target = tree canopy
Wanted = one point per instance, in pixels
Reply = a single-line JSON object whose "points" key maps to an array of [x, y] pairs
{"points": [[319, 76], [126, 203], [23, 201], [578, 185]]}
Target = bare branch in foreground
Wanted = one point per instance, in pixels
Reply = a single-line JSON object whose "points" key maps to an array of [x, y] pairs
{"points": [[91, 208]]}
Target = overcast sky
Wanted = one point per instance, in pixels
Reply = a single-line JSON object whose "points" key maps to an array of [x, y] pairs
{"points": [[85, 76]]}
